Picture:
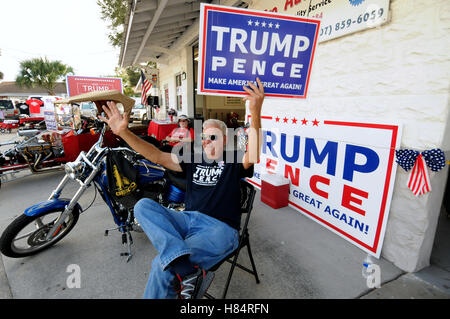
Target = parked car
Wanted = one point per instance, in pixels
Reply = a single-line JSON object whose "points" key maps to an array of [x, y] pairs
{"points": [[8, 109], [88, 109], [138, 113]]}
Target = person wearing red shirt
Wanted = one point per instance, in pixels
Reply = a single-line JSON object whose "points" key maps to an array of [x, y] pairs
{"points": [[182, 133]]}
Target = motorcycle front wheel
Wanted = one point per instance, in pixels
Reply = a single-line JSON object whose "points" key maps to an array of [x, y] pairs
{"points": [[26, 235]]}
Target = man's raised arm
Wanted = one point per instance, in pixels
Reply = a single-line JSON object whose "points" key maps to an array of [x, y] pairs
{"points": [[255, 98], [119, 125]]}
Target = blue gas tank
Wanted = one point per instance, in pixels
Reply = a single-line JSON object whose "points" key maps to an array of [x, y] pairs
{"points": [[148, 172], [175, 194]]}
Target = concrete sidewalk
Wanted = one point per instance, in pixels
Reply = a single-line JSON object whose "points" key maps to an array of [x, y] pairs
{"points": [[295, 257], [415, 286]]}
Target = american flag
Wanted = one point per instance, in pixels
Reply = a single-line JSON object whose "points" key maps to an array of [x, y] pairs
{"points": [[419, 180], [146, 85]]}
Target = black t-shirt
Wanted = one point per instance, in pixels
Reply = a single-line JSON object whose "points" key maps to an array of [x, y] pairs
{"points": [[214, 188], [24, 108]]}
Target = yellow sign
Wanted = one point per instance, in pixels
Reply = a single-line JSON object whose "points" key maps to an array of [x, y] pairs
{"points": [[123, 184]]}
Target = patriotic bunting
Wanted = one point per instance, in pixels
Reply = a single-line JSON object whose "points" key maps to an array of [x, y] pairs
{"points": [[419, 179], [435, 159]]}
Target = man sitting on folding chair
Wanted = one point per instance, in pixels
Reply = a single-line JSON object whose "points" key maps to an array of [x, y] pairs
{"points": [[191, 242]]}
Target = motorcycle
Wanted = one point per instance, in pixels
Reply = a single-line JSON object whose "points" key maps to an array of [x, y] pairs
{"points": [[35, 151], [44, 224]]}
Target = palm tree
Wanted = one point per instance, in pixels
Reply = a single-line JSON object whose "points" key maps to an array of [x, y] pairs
{"points": [[42, 72]]}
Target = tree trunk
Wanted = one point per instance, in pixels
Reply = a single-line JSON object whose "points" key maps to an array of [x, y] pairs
{"points": [[51, 90]]}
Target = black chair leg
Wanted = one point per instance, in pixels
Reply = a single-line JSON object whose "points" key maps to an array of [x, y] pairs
{"points": [[233, 265], [208, 296], [252, 262]]}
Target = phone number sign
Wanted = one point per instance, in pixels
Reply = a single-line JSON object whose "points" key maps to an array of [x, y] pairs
{"points": [[239, 45], [338, 17]]}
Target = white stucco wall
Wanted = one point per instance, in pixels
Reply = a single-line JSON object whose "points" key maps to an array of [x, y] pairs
{"points": [[171, 66], [396, 73]]}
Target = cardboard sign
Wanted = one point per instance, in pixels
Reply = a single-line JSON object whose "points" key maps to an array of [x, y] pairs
{"points": [[238, 45], [83, 84], [341, 173]]}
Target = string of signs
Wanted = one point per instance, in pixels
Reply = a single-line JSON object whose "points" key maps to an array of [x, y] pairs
{"points": [[419, 179]]}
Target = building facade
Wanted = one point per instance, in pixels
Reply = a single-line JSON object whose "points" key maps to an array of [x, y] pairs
{"points": [[397, 72], [9, 89]]}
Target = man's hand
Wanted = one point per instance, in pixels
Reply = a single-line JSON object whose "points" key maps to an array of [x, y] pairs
{"points": [[119, 125], [255, 97], [116, 121]]}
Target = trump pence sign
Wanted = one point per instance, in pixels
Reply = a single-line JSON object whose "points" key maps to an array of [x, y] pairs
{"points": [[238, 45], [341, 173], [83, 84]]}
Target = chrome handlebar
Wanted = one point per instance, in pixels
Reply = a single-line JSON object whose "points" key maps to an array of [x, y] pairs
{"points": [[92, 158]]}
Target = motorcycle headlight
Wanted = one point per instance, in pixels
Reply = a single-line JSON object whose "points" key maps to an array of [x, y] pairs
{"points": [[74, 169]]}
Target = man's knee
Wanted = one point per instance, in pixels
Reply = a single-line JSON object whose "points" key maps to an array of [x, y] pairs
{"points": [[143, 206]]}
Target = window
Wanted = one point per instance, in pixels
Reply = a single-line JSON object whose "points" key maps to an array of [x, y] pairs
{"points": [[179, 92], [6, 104]]}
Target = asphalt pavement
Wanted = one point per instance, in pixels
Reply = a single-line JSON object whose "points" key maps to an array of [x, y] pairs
{"points": [[296, 258]]}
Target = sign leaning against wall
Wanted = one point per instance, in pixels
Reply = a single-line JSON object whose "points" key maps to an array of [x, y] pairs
{"points": [[341, 173], [338, 17]]}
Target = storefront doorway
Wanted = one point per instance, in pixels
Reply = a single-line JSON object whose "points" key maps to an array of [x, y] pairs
{"points": [[225, 108]]}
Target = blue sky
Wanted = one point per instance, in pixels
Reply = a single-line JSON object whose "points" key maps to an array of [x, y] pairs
{"points": [[70, 31]]}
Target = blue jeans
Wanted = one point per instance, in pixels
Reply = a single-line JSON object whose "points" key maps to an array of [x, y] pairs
{"points": [[173, 234]]}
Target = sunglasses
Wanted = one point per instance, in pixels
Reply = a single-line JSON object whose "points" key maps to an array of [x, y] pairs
{"points": [[211, 137]]}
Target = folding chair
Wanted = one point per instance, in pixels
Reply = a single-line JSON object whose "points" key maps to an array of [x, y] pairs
{"points": [[247, 197]]}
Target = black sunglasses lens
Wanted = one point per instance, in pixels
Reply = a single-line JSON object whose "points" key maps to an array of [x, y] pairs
{"points": [[209, 137]]}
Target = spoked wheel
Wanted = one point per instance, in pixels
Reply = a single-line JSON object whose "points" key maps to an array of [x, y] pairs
{"points": [[26, 235]]}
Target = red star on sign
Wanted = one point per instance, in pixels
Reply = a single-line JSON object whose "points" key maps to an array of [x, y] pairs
{"points": [[285, 120], [294, 121], [316, 122], [304, 121], [277, 119]]}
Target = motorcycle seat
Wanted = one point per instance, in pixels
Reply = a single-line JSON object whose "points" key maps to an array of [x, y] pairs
{"points": [[177, 179]]}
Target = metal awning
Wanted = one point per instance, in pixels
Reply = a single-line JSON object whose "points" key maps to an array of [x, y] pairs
{"points": [[153, 27]]}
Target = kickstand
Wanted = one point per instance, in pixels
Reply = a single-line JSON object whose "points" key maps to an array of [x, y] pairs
{"points": [[127, 239]]}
